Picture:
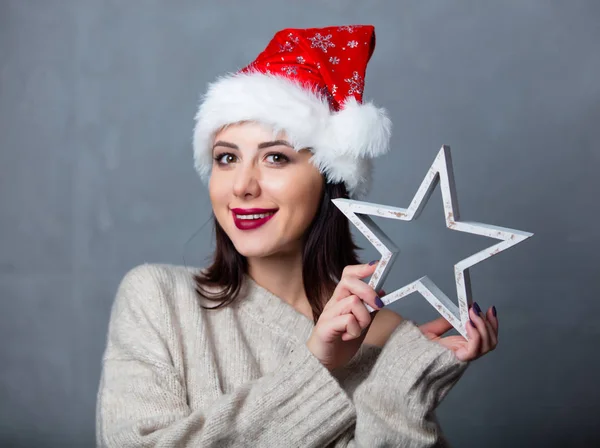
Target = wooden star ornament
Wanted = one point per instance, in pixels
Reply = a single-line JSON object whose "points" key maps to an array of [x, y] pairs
{"points": [[441, 171]]}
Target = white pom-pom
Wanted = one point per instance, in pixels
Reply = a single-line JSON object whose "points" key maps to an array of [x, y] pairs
{"points": [[359, 130]]}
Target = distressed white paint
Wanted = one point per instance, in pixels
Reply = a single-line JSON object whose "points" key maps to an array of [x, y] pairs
{"points": [[441, 171]]}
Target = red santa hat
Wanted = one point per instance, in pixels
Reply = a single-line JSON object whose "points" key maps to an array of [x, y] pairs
{"points": [[308, 83]]}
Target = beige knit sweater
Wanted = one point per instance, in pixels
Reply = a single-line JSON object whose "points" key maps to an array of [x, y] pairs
{"points": [[176, 375]]}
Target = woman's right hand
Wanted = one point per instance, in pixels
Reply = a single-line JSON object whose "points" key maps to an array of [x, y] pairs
{"points": [[345, 320]]}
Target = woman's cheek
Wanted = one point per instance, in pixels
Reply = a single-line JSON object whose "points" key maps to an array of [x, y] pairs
{"points": [[278, 184]]}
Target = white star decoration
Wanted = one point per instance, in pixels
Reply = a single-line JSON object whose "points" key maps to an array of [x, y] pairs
{"points": [[441, 170]]}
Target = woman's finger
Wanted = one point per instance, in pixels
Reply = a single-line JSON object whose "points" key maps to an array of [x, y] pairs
{"points": [[471, 351], [481, 328], [354, 286], [360, 270], [437, 326], [351, 304], [492, 323], [345, 326], [493, 318]]}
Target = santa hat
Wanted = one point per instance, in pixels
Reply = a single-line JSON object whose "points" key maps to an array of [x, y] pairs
{"points": [[308, 83]]}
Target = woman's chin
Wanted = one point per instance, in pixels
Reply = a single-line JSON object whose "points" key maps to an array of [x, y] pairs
{"points": [[254, 250]]}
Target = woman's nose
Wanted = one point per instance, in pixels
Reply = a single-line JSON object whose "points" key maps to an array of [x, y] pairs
{"points": [[246, 182]]}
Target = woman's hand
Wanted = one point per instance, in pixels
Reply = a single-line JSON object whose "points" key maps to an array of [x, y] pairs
{"points": [[343, 324], [483, 336]]}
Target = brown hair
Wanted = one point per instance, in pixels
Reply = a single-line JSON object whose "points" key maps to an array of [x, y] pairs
{"points": [[328, 248]]}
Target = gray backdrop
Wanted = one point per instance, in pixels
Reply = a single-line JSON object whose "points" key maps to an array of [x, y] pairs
{"points": [[97, 100]]}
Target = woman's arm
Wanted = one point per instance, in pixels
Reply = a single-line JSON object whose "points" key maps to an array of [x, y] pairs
{"points": [[383, 325], [395, 404], [142, 398]]}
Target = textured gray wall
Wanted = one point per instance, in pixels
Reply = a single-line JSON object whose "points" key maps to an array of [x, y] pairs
{"points": [[96, 176]]}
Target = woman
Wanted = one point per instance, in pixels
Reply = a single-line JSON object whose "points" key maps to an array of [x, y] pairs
{"points": [[271, 344]]}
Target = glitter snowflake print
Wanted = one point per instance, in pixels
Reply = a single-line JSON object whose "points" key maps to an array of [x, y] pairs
{"points": [[322, 42], [289, 44], [334, 60], [356, 84], [348, 28], [287, 47], [289, 70], [352, 44]]}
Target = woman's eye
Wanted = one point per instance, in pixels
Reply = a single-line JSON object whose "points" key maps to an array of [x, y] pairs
{"points": [[225, 159], [277, 158]]}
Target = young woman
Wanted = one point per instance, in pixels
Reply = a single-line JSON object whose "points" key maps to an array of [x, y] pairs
{"points": [[272, 345]]}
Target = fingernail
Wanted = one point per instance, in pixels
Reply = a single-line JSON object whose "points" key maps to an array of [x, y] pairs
{"points": [[476, 307], [472, 324], [378, 302], [382, 293], [373, 262], [494, 311]]}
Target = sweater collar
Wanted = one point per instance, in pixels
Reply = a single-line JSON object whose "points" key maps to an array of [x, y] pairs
{"points": [[274, 312]]}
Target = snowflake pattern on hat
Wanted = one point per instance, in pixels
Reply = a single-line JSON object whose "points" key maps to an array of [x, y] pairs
{"points": [[321, 42], [349, 28], [289, 70], [331, 59], [356, 84]]}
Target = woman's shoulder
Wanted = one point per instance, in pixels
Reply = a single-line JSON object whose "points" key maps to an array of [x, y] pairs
{"points": [[158, 292], [157, 282], [153, 304], [158, 274], [167, 278]]}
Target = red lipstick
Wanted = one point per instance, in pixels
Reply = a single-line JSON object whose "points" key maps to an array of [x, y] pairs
{"points": [[249, 224]]}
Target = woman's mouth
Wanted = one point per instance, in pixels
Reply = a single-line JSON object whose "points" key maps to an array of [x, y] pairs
{"points": [[248, 219]]}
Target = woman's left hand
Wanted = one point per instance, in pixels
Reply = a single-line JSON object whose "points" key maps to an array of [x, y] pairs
{"points": [[483, 338]]}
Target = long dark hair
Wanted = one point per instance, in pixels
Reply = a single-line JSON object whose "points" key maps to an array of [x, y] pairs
{"points": [[328, 248]]}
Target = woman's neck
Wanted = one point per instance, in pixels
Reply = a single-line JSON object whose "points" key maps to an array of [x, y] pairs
{"points": [[281, 274]]}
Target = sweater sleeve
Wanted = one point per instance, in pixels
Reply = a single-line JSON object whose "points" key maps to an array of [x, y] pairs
{"points": [[142, 397], [395, 403]]}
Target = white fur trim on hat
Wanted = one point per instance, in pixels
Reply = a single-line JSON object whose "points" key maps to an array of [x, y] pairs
{"points": [[343, 142]]}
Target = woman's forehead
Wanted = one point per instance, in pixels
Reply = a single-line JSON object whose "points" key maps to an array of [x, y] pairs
{"points": [[251, 128]]}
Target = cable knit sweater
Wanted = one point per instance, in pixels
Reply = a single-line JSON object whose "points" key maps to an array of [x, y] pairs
{"points": [[177, 375]]}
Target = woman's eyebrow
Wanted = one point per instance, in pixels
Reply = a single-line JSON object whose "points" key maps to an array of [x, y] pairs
{"points": [[274, 143], [260, 145], [226, 144]]}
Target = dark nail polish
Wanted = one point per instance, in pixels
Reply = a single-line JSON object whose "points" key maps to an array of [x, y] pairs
{"points": [[494, 311], [373, 262], [472, 324], [378, 302], [476, 308]]}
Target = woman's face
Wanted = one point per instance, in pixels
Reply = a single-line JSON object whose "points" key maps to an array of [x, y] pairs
{"points": [[264, 194]]}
